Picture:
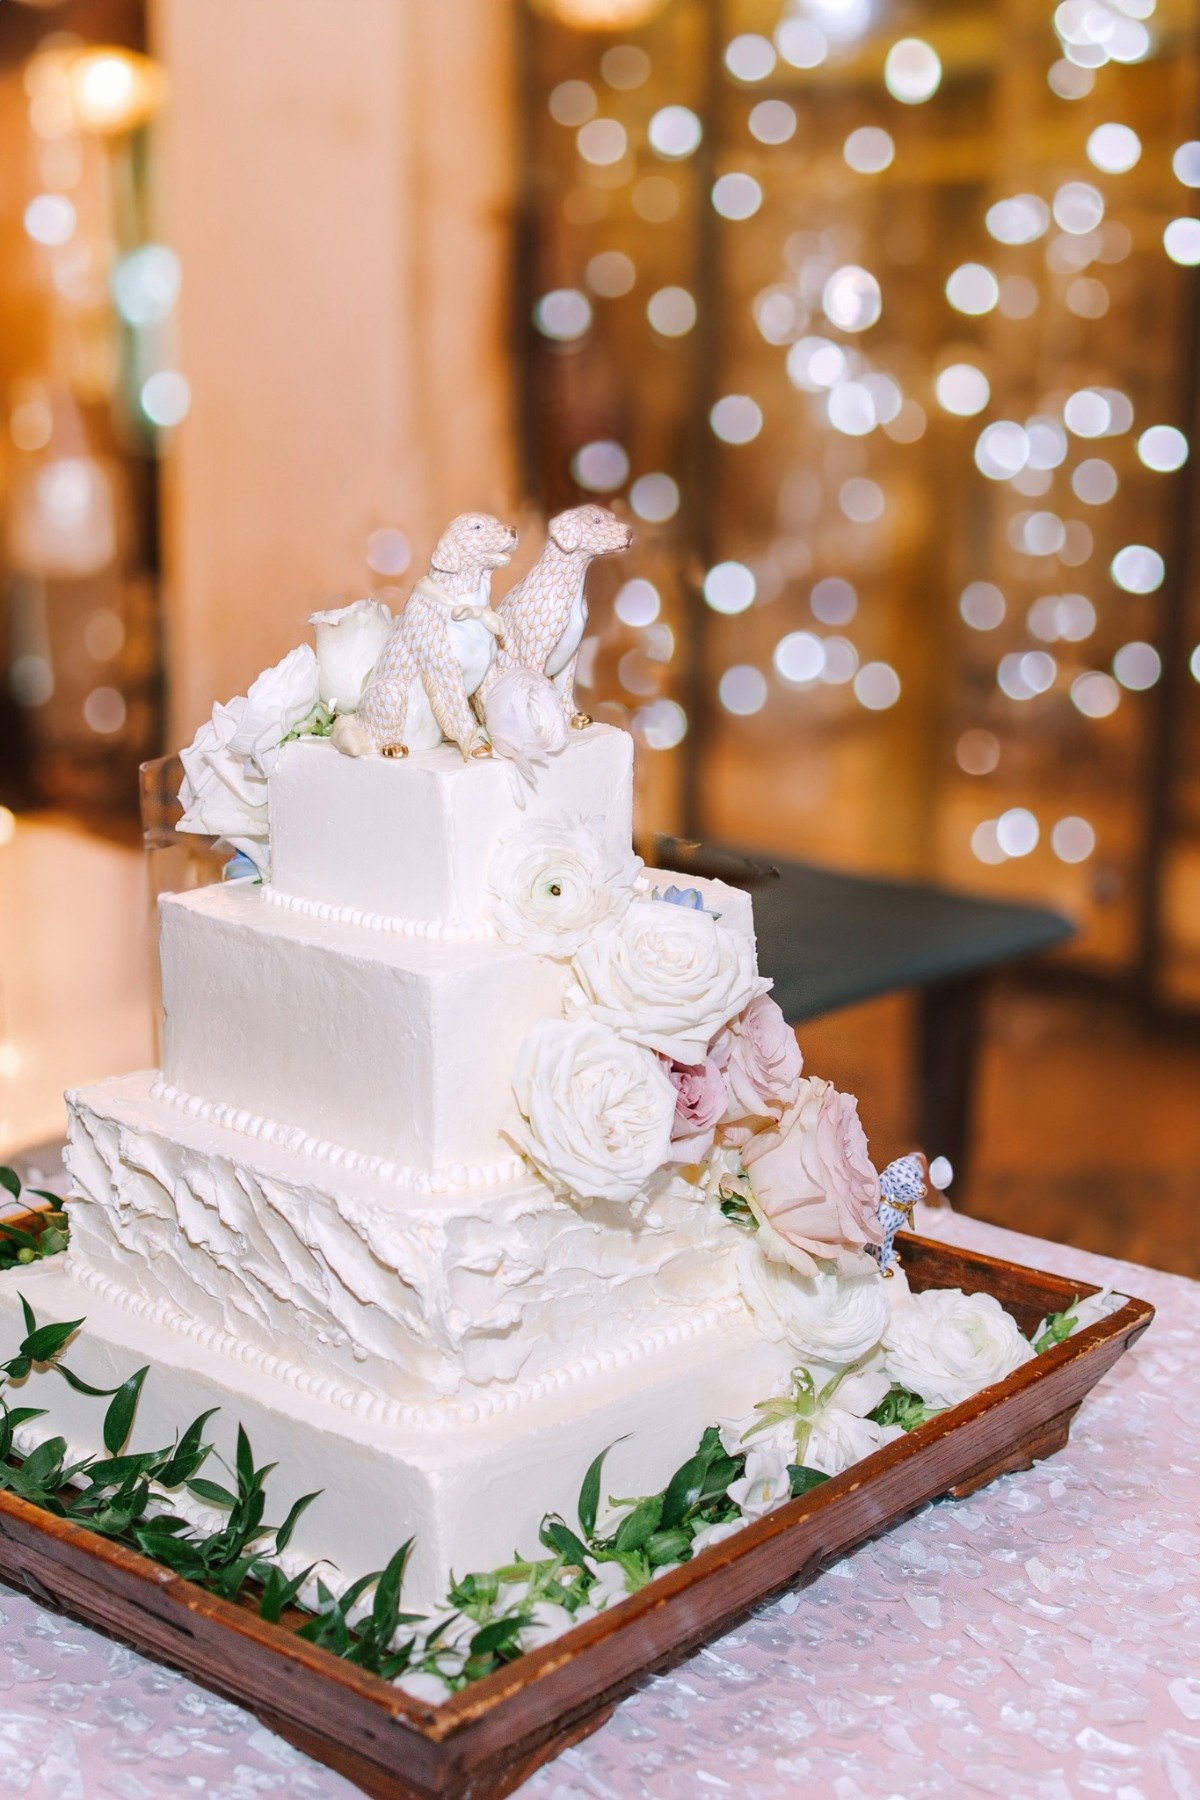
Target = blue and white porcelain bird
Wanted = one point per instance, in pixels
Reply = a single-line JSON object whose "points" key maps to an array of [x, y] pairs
{"points": [[901, 1185]]}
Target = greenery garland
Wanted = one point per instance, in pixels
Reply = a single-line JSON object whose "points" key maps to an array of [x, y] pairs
{"points": [[490, 1615]]}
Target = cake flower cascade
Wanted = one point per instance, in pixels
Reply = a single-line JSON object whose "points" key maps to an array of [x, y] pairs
{"points": [[672, 1058]]}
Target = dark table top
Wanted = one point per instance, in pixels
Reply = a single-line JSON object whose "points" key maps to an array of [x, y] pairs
{"points": [[831, 940]]}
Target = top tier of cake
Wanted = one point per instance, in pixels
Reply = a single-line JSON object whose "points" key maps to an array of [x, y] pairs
{"points": [[406, 842]]}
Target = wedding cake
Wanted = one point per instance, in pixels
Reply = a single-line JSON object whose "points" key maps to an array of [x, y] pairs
{"points": [[476, 1145]]}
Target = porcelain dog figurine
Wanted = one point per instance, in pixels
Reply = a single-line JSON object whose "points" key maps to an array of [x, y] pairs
{"points": [[545, 614], [437, 653]]}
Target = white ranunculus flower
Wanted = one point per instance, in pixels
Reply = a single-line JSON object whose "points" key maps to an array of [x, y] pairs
{"points": [[525, 719], [598, 1110], [279, 701], [765, 1484], [220, 794], [666, 976], [349, 642], [1085, 1312], [946, 1345], [898, 1291], [829, 1318], [552, 883], [839, 1438]]}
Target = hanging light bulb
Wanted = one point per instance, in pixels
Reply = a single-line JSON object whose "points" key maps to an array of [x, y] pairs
{"points": [[113, 89], [600, 15]]}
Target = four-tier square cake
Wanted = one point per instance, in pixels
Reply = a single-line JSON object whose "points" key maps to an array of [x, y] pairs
{"points": [[323, 1216]]}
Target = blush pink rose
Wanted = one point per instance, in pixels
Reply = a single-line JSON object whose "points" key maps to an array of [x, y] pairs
{"points": [[761, 1061], [700, 1098], [816, 1193]]}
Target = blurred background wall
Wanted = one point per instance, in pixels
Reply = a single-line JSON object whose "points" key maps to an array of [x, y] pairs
{"points": [[877, 316]]}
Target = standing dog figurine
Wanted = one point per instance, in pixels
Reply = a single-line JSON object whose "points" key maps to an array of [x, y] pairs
{"points": [[437, 652], [545, 614]]}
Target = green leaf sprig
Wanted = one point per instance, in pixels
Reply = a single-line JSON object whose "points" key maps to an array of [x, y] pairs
{"points": [[45, 1236]]}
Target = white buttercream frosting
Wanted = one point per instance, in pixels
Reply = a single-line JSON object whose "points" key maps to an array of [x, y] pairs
{"points": [[391, 1047], [455, 1177], [350, 915], [402, 1298], [411, 838]]}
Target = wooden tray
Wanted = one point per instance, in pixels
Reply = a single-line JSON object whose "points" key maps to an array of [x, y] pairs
{"points": [[487, 1739]]}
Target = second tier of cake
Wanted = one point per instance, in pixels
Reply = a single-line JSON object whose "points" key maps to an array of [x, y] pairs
{"points": [[383, 1301]]}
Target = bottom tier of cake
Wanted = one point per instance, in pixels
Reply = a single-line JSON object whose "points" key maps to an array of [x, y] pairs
{"points": [[468, 1492]]}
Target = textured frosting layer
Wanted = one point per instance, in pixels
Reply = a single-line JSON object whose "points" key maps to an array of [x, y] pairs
{"points": [[394, 1048], [410, 839], [489, 1298]]}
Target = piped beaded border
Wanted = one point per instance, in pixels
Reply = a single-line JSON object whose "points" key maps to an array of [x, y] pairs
{"points": [[454, 1177], [439, 929]]}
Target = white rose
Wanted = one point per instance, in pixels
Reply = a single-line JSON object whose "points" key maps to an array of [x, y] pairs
{"points": [[551, 884], [829, 1318], [946, 1345], [839, 1439], [666, 976], [349, 642], [765, 1484], [220, 794], [279, 701], [525, 719], [599, 1111]]}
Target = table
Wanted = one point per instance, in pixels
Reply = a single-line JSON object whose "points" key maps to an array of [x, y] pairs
{"points": [[1039, 1640], [832, 940]]}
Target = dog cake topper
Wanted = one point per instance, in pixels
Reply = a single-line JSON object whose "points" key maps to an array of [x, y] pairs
{"points": [[455, 668], [545, 614], [438, 651]]}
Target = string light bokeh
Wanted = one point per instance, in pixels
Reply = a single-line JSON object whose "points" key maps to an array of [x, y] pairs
{"points": [[91, 393], [880, 322]]}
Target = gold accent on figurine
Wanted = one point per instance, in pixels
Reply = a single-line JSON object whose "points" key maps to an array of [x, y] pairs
{"points": [[482, 750], [394, 750], [580, 721]]}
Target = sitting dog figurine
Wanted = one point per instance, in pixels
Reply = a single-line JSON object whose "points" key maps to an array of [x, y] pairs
{"points": [[545, 614], [438, 651]]}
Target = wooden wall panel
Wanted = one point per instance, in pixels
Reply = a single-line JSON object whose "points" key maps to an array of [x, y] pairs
{"points": [[337, 180]]}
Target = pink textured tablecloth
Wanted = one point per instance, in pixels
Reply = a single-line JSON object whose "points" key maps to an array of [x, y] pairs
{"points": [[1040, 1640]]}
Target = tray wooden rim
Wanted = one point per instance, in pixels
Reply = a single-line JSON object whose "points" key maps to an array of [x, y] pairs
{"points": [[539, 1700]]}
